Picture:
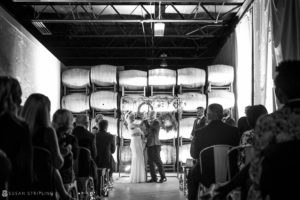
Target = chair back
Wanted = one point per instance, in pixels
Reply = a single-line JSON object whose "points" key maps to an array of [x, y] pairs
{"points": [[213, 164], [84, 162], [44, 173], [233, 156]]}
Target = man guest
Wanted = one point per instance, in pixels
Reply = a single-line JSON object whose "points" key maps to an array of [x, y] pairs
{"points": [[153, 149], [200, 122], [84, 137], [216, 132], [105, 147]]}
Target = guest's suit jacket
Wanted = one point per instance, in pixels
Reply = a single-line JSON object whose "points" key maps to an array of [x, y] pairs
{"points": [[85, 139], [198, 124], [216, 132], [153, 134], [105, 148]]}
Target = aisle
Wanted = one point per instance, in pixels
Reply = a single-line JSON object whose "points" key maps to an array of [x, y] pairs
{"points": [[147, 191]]}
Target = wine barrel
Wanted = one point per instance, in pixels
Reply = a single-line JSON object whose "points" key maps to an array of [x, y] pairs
{"points": [[104, 100], [112, 124], [168, 154], [75, 102], [220, 75], [125, 153], [163, 103], [164, 135], [132, 103], [162, 78], [191, 77], [186, 127], [191, 100], [223, 97], [104, 75], [133, 79], [184, 153], [76, 78]]}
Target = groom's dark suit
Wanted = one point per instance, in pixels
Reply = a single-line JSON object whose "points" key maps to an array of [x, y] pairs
{"points": [[153, 149]]}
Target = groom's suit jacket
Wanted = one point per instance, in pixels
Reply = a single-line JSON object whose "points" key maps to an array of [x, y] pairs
{"points": [[153, 134]]}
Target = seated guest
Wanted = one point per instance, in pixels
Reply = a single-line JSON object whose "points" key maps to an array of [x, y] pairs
{"points": [[5, 168], [87, 140], [105, 147], [242, 123], [253, 113], [227, 119], [200, 121], [15, 138], [216, 132], [63, 124], [84, 137], [278, 127], [36, 112], [242, 178], [280, 171]]}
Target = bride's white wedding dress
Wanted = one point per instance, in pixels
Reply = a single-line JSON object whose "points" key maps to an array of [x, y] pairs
{"points": [[138, 173]]}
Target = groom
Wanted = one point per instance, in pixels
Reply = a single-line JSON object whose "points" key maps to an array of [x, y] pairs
{"points": [[153, 149]]}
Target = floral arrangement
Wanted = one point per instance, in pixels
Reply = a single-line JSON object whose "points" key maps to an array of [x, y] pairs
{"points": [[168, 121]]}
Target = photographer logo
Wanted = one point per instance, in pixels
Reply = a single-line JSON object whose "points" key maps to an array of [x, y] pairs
{"points": [[4, 193]]}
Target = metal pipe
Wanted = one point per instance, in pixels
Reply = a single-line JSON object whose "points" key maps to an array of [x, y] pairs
{"points": [[65, 21]]}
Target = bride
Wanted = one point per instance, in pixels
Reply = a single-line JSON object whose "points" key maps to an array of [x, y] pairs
{"points": [[138, 171]]}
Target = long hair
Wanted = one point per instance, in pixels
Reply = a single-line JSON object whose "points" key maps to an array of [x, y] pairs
{"points": [[7, 103], [36, 112], [63, 120]]}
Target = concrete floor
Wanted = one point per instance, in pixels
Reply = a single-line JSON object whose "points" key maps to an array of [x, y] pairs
{"points": [[123, 190]]}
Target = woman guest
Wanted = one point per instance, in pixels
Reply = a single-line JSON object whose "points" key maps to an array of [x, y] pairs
{"points": [[63, 124], [15, 139], [36, 112]]}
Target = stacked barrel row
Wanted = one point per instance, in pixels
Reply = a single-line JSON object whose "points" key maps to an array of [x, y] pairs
{"points": [[104, 100], [80, 99]]}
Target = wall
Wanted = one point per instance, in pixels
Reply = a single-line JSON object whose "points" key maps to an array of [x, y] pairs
{"points": [[24, 57]]}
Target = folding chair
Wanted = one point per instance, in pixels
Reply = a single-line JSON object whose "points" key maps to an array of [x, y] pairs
{"points": [[44, 172], [233, 168], [213, 167], [86, 187]]}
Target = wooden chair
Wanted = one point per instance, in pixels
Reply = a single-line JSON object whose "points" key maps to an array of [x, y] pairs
{"points": [[213, 167]]}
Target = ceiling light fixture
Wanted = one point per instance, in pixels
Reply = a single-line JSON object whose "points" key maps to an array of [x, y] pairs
{"points": [[159, 28]]}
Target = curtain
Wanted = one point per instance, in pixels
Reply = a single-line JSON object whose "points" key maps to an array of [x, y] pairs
{"points": [[286, 29], [263, 54], [243, 69], [227, 56]]}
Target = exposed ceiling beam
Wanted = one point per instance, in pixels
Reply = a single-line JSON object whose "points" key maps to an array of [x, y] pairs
{"points": [[127, 48], [246, 5], [129, 1], [137, 36], [133, 58], [55, 21]]}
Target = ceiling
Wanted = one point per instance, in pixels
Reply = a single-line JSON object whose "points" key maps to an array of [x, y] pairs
{"points": [[91, 32]]}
